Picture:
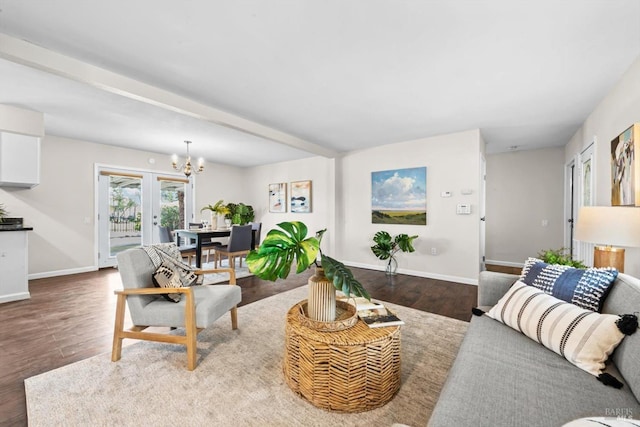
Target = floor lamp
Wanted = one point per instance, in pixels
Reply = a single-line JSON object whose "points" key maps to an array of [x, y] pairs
{"points": [[609, 226]]}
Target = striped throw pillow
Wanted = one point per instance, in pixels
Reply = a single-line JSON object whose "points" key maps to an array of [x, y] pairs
{"points": [[583, 337]]}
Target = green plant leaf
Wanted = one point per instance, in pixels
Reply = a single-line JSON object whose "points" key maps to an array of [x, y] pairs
{"points": [[343, 278], [405, 243], [280, 248]]}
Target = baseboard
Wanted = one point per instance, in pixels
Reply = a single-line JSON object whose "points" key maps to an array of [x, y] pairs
{"points": [[15, 297], [426, 274], [504, 263], [67, 272]]}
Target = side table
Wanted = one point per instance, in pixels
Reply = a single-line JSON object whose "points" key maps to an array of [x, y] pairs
{"points": [[353, 370]]}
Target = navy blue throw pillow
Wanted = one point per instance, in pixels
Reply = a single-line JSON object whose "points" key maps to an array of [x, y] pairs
{"points": [[586, 288]]}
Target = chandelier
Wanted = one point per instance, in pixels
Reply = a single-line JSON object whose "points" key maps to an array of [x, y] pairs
{"points": [[186, 167]]}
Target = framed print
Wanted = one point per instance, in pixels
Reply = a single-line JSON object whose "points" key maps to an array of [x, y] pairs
{"points": [[278, 197], [625, 172], [300, 196], [399, 196]]}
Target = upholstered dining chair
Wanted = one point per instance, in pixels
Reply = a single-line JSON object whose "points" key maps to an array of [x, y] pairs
{"points": [[187, 250], [239, 245], [256, 228], [199, 306]]}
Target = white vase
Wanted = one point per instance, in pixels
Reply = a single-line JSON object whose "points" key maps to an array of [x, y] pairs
{"points": [[214, 220], [322, 298]]}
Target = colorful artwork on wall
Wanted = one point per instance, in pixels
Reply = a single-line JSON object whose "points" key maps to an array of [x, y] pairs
{"points": [[300, 196], [278, 197], [625, 171], [399, 196]]}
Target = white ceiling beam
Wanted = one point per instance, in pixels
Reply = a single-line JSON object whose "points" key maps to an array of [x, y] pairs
{"points": [[28, 54]]}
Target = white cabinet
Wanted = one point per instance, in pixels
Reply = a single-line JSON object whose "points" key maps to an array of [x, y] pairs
{"points": [[19, 160], [14, 283]]}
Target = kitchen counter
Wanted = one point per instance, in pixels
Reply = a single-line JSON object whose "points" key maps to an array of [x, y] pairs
{"points": [[14, 283]]}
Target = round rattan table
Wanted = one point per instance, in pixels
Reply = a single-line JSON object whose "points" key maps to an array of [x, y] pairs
{"points": [[352, 370]]}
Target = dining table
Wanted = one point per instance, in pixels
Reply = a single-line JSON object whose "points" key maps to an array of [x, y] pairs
{"points": [[200, 235]]}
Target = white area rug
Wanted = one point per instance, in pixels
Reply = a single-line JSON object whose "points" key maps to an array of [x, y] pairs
{"points": [[238, 381], [224, 277]]}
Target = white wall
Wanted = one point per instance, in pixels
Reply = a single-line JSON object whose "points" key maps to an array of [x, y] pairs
{"points": [[62, 241], [320, 171], [617, 111], [453, 163], [524, 188]]}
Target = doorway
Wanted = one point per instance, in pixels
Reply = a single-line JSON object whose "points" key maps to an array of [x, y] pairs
{"points": [[134, 204]]}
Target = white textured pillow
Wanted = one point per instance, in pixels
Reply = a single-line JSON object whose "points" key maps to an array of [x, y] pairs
{"points": [[583, 337], [603, 421]]}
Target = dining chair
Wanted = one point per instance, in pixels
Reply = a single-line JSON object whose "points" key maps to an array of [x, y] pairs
{"points": [[256, 228], [187, 251], [198, 308], [239, 245]]}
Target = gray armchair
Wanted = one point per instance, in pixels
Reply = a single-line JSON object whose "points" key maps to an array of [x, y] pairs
{"points": [[198, 308]]}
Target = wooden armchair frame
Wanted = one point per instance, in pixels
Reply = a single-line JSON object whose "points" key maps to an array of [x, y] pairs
{"points": [[190, 338]]}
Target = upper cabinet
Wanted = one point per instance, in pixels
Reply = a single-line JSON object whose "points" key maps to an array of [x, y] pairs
{"points": [[19, 160], [20, 134]]}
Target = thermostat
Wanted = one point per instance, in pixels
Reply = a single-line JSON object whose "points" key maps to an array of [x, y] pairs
{"points": [[463, 209]]}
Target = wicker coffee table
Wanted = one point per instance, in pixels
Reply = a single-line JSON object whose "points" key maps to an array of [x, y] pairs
{"points": [[353, 370]]}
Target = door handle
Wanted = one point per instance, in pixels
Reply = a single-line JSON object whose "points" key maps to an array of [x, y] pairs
{"points": [[483, 219]]}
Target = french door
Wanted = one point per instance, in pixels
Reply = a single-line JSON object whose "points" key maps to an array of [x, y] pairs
{"points": [[134, 204]]}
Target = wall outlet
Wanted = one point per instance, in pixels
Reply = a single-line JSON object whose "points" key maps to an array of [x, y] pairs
{"points": [[434, 251]]}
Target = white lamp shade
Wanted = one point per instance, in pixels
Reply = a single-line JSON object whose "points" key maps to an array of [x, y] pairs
{"points": [[609, 225]]}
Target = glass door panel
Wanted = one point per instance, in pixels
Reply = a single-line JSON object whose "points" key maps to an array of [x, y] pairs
{"points": [[125, 213], [132, 205]]}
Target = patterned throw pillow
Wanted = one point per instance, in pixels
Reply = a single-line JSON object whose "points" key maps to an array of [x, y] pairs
{"points": [[583, 337], [586, 288], [166, 276]]}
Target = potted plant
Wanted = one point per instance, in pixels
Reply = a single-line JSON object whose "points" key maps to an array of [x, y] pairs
{"points": [[240, 213], [559, 256], [218, 209], [3, 212], [279, 250], [386, 248]]}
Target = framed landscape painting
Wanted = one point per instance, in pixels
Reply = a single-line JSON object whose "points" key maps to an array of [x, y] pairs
{"points": [[625, 168], [300, 196], [399, 196], [278, 197]]}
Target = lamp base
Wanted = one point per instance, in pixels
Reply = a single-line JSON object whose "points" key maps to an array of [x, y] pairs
{"points": [[606, 256]]}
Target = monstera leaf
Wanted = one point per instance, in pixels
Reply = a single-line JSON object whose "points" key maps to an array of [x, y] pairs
{"points": [[280, 248], [342, 278]]}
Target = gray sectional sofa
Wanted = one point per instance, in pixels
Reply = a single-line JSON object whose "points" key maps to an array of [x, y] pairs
{"points": [[502, 378]]}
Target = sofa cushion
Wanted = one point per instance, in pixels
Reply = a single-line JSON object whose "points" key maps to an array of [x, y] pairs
{"points": [[583, 337], [502, 378], [586, 288]]}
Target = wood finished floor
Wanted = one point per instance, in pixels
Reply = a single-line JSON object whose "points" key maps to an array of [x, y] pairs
{"points": [[70, 318]]}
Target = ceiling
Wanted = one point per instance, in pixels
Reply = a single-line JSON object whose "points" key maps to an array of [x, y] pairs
{"points": [[254, 82]]}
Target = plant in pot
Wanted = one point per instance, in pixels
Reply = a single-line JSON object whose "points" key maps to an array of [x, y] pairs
{"points": [[218, 209], [240, 213], [277, 253], [386, 247], [559, 256]]}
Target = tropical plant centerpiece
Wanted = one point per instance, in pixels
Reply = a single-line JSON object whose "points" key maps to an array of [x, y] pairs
{"points": [[239, 213], [277, 253], [218, 209], [3, 213], [386, 247]]}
